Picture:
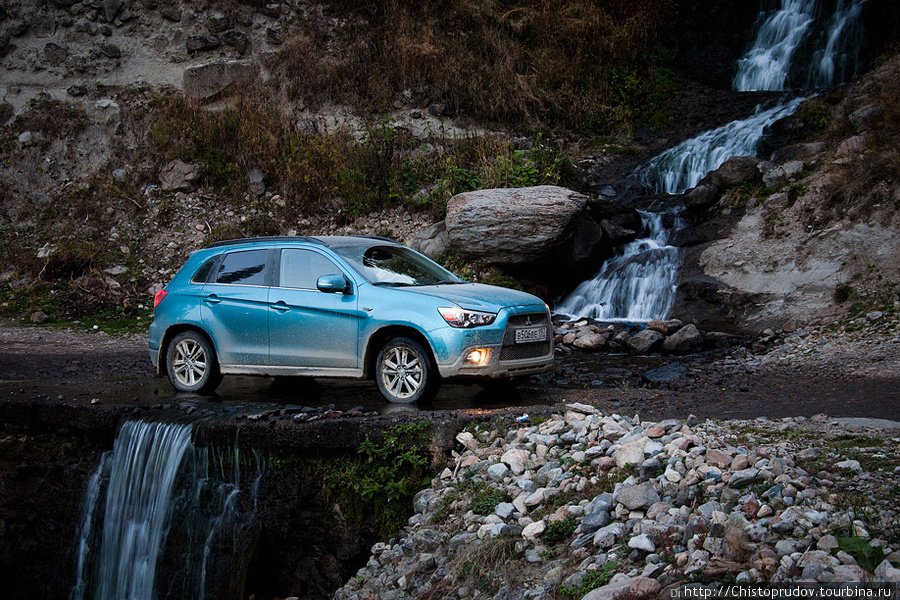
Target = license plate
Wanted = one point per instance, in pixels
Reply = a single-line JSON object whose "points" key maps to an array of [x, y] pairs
{"points": [[531, 334]]}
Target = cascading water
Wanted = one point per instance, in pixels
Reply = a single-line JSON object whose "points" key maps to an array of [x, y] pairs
{"points": [[683, 166], [797, 45], [636, 285], [156, 499], [796, 40]]}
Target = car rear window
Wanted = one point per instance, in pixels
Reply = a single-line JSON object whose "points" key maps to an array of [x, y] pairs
{"points": [[243, 268]]}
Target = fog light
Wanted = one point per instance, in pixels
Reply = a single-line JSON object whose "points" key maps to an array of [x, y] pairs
{"points": [[478, 357]]}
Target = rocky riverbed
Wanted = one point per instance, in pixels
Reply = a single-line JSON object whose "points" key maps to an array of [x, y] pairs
{"points": [[591, 505]]}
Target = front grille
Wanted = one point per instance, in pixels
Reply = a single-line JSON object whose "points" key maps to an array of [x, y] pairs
{"points": [[513, 351], [527, 319], [521, 351]]}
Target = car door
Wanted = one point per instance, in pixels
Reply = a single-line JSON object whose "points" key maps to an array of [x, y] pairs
{"points": [[309, 327], [235, 310]]}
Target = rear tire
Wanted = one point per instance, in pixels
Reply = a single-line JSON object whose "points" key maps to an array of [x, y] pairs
{"points": [[191, 363], [405, 373]]}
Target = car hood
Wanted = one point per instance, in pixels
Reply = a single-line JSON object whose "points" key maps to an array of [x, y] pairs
{"points": [[476, 296]]}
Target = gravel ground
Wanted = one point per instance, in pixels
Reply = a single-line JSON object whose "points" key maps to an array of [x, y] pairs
{"points": [[849, 372]]}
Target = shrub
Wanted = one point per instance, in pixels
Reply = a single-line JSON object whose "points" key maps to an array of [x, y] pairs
{"points": [[559, 530]]}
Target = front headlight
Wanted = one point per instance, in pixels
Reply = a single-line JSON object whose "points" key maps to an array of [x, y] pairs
{"points": [[459, 317]]}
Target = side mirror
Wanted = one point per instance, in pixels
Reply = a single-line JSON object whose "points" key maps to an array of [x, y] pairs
{"points": [[333, 284]]}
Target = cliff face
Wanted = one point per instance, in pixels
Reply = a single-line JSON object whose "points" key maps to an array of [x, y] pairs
{"points": [[816, 237]]}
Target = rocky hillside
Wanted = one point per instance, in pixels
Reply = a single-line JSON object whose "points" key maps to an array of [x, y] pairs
{"points": [[594, 506], [134, 131]]}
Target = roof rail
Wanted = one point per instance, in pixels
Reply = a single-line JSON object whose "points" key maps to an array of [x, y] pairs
{"points": [[272, 238]]}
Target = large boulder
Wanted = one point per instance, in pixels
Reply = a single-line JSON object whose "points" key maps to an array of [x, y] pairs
{"points": [[514, 226]]}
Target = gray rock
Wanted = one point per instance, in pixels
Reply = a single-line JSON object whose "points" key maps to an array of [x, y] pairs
{"points": [[637, 497], [202, 43], [39, 197], [54, 53], [594, 521], [178, 175], [255, 182], [426, 540], [684, 341], [666, 374], [512, 226], [497, 472], [701, 196], [110, 50], [592, 341], [642, 542], [644, 341], [866, 116], [504, 510], [606, 537], [237, 40], [171, 13], [743, 478], [120, 175], [782, 173], [205, 81], [432, 241]]}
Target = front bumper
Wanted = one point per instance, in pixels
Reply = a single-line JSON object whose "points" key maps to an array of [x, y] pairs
{"points": [[513, 356]]}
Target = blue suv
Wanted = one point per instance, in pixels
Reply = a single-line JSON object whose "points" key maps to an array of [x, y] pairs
{"points": [[341, 306]]}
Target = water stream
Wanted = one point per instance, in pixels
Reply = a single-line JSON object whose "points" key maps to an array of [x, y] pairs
{"points": [[636, 285], [155, 499], [797, 41]]}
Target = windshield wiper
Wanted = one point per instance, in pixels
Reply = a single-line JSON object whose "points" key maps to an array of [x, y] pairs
{"points": [[394, 283], [447, 282]]}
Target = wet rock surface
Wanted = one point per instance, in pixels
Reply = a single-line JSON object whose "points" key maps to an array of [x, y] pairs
{"points": [[589, 504]]}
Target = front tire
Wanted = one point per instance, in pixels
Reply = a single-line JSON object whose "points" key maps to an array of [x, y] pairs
{"points": [[191, 363], [404, 372]]}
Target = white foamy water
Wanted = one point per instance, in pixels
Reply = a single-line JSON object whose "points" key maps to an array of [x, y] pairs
{"points": [[637, 285], [683, 166]]}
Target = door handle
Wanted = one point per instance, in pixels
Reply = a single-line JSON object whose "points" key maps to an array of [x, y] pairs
{"points": [[212, 299], [281, 306]]}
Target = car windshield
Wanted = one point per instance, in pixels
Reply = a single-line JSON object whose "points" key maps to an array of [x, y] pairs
{"points": [[395, 265]]}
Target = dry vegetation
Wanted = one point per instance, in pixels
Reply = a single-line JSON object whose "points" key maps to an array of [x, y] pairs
{"points": [[587, 66]]}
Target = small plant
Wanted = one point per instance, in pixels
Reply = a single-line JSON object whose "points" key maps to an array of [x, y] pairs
{"points": [[866, 555], [843, 293], [382, 479], [591, 581], [559, 530], [486, 499]]}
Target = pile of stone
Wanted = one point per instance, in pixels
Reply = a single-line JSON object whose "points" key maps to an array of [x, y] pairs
{"points": [[638, 507], [671, 336]]}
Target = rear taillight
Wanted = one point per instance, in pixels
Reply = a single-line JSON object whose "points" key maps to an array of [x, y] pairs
{"points": [[160, 295]]}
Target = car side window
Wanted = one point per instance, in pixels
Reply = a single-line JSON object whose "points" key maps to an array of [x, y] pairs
{"points": [[243, 268], [302, 268]]}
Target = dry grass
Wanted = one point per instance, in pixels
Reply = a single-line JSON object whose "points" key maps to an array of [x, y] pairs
{"points": [[580, 65]]}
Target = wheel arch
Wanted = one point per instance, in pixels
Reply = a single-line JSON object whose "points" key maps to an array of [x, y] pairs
{"points": [[170, 333], [378, 339]]}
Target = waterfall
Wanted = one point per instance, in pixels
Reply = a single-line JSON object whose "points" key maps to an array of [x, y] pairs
{"points": [[683, 166], [156, 499], [636, 285], [797, 41]]}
